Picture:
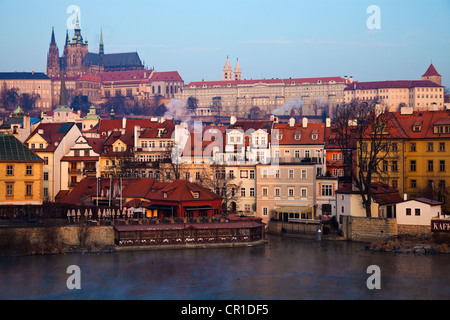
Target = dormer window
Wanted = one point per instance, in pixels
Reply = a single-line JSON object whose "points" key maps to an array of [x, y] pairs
{"points": [[165, 195], [417, 128], [196, 195], [315, 135]]}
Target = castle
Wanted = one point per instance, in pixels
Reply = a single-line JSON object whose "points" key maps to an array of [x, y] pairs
{"points": [[77, 60]]}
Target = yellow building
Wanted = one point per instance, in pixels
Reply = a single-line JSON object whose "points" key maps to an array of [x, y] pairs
{"points": [[21, 173]]}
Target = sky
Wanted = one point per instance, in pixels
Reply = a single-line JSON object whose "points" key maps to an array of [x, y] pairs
{"points": [[271, 38]]}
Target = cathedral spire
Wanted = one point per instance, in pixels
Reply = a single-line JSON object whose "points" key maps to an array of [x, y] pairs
{"points": [[53, 42], [227, 73], [237, 71], [101, 49]]}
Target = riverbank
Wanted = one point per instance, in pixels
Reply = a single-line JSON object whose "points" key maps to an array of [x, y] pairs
{"points": [[412, 244]]}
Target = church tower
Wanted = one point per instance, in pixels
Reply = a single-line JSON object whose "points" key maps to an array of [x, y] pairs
{"points": [[101, 49], [237, 71], [432, 75], [227, 73], [74, 52], [53, 66]]}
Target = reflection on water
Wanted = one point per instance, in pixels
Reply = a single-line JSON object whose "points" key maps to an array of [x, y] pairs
{"points": [[285, 268]]}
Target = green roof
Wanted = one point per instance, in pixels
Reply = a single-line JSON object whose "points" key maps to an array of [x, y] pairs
{"points": [[11, 149]]}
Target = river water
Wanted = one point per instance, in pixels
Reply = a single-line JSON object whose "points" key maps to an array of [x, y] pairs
{"points": [[282, 269]]}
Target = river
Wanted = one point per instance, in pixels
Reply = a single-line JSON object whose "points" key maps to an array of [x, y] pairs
{"points": [[282, 269]]}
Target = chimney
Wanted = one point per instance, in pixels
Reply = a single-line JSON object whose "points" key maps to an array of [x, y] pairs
{"points": [[291, 122], [124, 123], [232, 120], [351, 79], [137, 130], [305, 122], [328, 122], [405, 197]]}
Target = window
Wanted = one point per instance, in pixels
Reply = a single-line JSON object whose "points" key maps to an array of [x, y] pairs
{"points": [[303, 174], [303, 192], [430, 147], [441, 165], [242, 192], [412, 165], [394, 184], [264, 192], [385, 166], [265, 211], [252, 192], [277, 192], [45, 176], [264, 173], [408, 211], [197, 175], [412, 146], [297, 153], [430, 165], [188, 175], [394, 166], [10, 170], [252, 174], [394, 147], [291, 192], [327, 190], [45, 192], [244, 173], [29, 170], [195, 195], [417, 212], [277, 173], [45, 160], [291, 174], [441, 146], [413, 184], [28, 189], [9, 189]]}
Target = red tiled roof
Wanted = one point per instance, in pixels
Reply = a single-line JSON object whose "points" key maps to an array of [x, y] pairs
{"points": [[381, 192], [294, 81], [88, 77], [182, 190], [52, 133], [151, 131], [126, 76], [166, 76], [429, 119], [116, 124], [431, 71], [390, 84], [288, 133]]}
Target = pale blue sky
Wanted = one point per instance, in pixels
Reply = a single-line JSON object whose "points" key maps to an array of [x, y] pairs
{"points": [[271, 38]]}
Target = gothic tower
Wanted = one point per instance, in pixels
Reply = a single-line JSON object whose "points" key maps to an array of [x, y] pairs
{"points": [[74, 52], [53, 66], [227, 73], [432, 75], [237, 71], [101, 49]]}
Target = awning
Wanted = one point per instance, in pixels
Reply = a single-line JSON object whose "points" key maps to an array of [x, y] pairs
{"points": [[159, 207], [198, 208], [294, 209]]}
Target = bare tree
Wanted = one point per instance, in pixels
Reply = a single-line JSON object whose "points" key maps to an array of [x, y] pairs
{"points": [[363, 135]]}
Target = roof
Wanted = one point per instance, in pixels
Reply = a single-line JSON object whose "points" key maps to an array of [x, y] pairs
{"points": [[431, 202], [126, 59], [431, 71], [107, 125], [288, 133], [382, 193], [166, 128], [223, 225], [23, 76], [11, 149], [182, 190], [125, 76], [52, 133], [166, 76], [290, 81], [390, 84], [403, 123]]}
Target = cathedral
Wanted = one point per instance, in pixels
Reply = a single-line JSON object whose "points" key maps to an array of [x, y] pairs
{"points": [[77, 60]]}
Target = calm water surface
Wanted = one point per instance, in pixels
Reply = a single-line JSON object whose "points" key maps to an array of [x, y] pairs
{"points": [[283, 269]]}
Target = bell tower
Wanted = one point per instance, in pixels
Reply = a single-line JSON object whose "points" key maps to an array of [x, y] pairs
{"points": [[53, 65], [227, 73], [237, 71]]}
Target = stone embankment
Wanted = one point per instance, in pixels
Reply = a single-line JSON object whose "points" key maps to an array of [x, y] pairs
{"points": [[415, 245]]}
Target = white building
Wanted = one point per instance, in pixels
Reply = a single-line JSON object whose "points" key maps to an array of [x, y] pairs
{"points": [[418, 211]]}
